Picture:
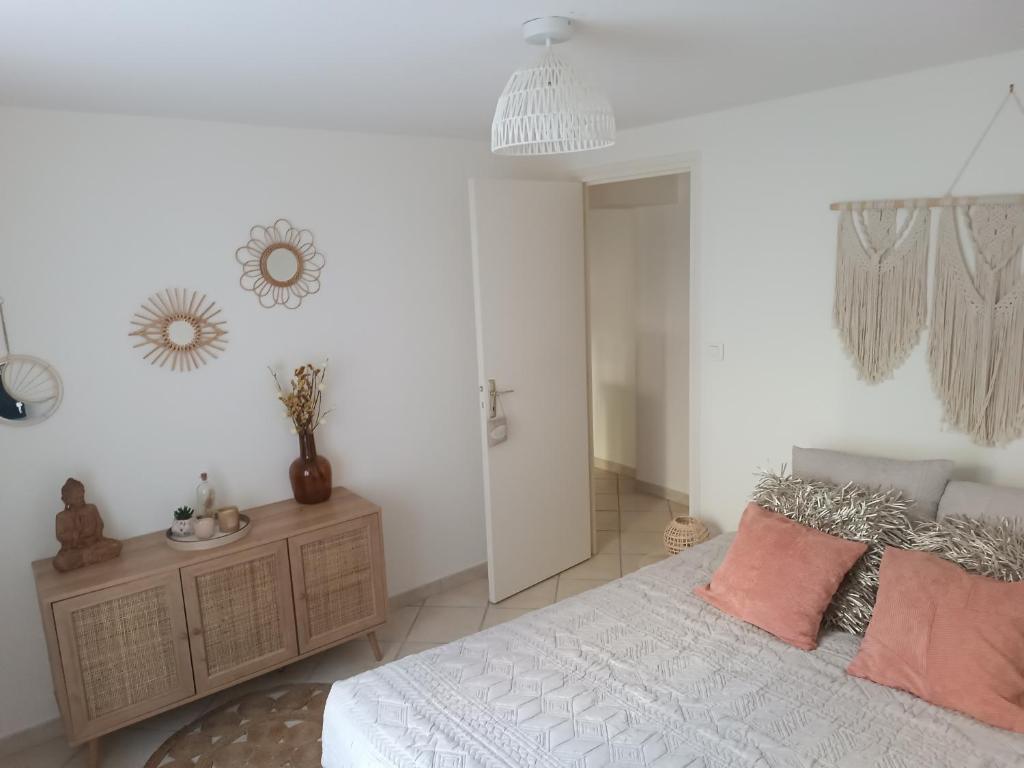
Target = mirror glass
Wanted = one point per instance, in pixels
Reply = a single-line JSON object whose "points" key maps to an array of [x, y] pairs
{"points": [[11, 407], [282, 265], [30, 390], [181, 332], [17, 411]]}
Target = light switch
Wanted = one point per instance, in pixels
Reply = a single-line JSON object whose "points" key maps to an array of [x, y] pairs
{"points": [[716, 352]]}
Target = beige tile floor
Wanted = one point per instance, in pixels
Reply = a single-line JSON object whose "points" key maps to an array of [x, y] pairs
{"points": [[629, 537]]}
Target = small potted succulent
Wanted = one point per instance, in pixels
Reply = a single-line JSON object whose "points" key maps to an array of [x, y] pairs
{"points": [[182, 525]]}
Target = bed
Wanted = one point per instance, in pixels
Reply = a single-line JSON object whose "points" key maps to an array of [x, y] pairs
{"points": [[640, 672]]}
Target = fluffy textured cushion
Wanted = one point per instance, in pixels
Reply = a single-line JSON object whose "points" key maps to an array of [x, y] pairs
{"points": [[952, 638], [964, 499], [989, 547], [780, 576], [921, 481]]}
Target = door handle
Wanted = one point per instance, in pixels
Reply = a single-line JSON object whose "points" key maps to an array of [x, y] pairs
{"points": [[494, 393]]}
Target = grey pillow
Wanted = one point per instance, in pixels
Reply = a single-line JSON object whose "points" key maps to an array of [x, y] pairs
{"points": [[921, 481], [965, 499]]}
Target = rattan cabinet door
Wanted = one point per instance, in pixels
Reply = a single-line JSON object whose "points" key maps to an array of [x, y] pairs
{"points": [[240, 616], [124, 651], [339, 582]]}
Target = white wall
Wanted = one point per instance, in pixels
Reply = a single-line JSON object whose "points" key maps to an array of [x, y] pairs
{"points": [[611, 273], [663, 349], [765, 256], [98, 212], [638, 266]]}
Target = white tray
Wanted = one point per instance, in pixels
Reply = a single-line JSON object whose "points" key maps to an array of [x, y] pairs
{"points": [[192, 543]]}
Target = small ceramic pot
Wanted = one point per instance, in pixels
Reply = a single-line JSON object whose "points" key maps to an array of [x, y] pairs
{"points": [[204, 527], [182, 527], [227, 518]]}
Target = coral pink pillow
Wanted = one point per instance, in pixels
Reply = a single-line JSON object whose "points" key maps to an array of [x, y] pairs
{"points": [[780, 576], [952, 638]]}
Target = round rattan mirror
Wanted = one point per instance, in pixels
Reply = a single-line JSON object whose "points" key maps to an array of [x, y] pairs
{"points": [[280, 264]]}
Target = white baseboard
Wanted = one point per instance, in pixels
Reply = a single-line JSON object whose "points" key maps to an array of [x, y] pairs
{"points": [[32, 736], [417, 595], [613, 466], [679, 497]]}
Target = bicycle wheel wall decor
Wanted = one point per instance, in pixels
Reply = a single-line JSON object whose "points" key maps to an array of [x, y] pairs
{"points": [[30, 388]]}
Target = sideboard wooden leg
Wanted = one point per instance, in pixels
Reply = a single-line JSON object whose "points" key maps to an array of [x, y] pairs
{"points": [[372, 637], [94, 753]]}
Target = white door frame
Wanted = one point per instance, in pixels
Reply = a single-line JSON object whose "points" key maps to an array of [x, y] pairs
{"points": [[643, 168]]}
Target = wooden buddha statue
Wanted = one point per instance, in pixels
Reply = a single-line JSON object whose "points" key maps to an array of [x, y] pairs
{"points": [[80, 531]]}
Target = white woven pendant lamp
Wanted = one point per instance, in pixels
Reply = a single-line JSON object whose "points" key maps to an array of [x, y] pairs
{"points": [[548, 109]]}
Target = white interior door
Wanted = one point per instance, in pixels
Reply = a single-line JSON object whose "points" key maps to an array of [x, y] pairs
{"points": [[530, 292]]}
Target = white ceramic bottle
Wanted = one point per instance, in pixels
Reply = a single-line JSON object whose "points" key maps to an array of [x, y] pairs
{"points": [[205, 496]]}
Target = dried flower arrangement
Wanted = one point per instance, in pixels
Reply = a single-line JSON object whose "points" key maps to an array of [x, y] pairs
{"points": [[303, 403]]}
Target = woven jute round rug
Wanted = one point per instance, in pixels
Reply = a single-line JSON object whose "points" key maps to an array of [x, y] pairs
{"points": [[277, 728]]}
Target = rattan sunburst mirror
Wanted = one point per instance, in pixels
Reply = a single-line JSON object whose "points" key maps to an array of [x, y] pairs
{"points": [[179, 327], [280, 264]]}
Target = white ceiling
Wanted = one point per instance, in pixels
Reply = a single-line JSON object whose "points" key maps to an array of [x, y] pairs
{"points": [[436, 67]]}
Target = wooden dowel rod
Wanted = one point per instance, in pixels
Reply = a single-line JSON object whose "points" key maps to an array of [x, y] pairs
{"points": [[928, 202]]}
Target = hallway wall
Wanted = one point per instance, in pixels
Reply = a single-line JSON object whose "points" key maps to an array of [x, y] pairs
{"points": [[612, 275], [638, 251]]}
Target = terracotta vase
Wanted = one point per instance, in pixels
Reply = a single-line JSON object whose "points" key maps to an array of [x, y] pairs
{"points": [[310, 474]]}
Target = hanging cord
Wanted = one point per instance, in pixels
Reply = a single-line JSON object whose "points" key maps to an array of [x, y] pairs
{"points": [[3, 324], [999, 110]]}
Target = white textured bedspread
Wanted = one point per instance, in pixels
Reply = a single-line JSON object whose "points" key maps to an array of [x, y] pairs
{"points": [[641, 673]]}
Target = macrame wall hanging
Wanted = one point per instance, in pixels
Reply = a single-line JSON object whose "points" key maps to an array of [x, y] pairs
{"points": [[976, 345], [881, 301]]}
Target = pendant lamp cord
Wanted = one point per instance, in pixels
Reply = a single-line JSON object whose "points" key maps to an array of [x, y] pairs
{"points": [[1011, 94], [3, 324]]}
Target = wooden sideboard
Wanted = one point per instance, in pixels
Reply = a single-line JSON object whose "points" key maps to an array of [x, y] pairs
{"points": [[157, 628]]}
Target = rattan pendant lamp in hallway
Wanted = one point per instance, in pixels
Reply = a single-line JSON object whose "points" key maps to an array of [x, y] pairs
{"points": [[547, 108]]}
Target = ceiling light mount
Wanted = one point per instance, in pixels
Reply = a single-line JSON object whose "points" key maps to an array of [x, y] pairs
{"points": [[547, 30]]}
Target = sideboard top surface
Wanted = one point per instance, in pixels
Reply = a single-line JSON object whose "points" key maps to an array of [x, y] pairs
{"points": [[149, 553]]}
